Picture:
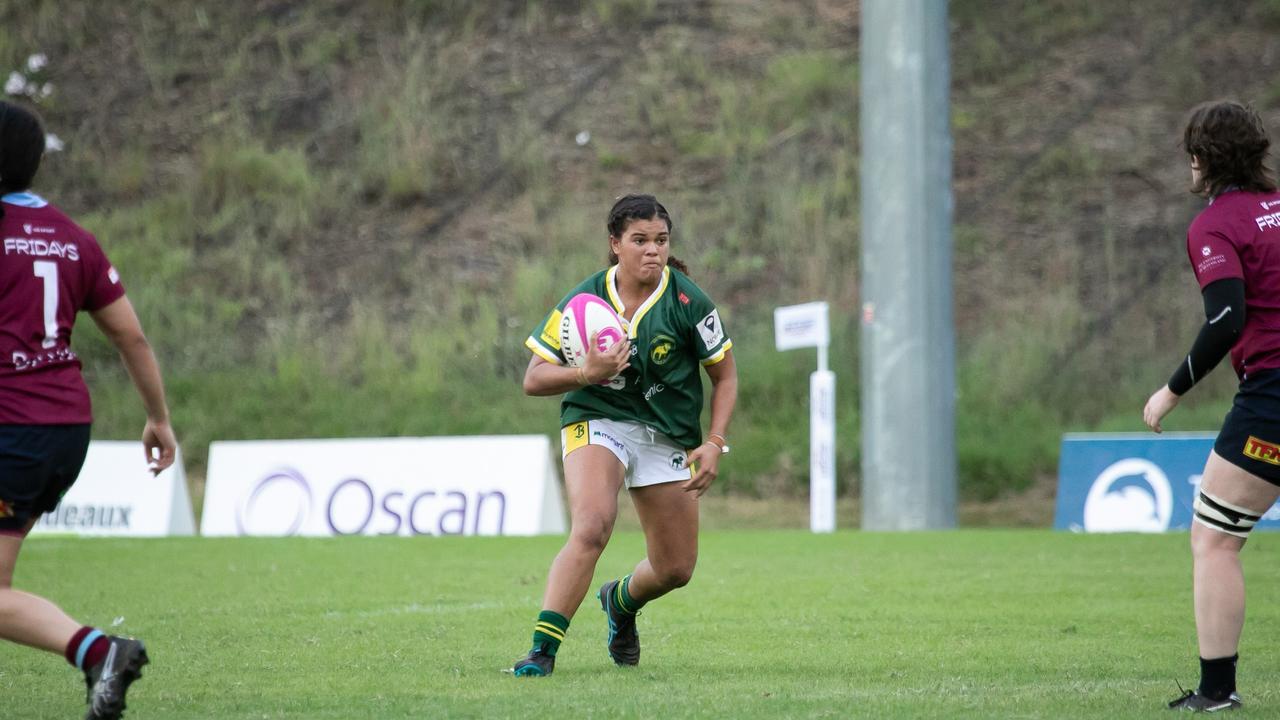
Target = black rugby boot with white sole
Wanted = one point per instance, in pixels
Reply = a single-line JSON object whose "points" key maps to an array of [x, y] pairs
{"points": [[1192, 701]]}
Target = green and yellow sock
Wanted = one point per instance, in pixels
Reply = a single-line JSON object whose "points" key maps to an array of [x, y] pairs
{"points": [[622, 600], [549, 631]]}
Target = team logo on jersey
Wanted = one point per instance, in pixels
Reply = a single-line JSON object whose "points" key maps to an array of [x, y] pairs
{"points": [[660, 349], [710, 329], [684, 299], [1262, 450], [6, 510]]}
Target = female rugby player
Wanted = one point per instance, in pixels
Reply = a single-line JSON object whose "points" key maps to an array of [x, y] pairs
{"points": [[50, 269], [1234, 248], [630, 417]]}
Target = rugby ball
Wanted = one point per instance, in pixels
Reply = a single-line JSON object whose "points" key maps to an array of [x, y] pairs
{"points": [[584, 316]]}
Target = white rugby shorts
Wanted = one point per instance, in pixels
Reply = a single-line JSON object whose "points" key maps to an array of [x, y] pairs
{"points": [[648, 456]]}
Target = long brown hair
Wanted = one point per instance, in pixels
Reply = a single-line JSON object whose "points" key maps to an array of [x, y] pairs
{"points": [[639, 207], [1230, 143]]}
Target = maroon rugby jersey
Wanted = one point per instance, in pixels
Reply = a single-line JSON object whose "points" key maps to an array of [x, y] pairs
{"points": [[1238, 236], [50, 269]]}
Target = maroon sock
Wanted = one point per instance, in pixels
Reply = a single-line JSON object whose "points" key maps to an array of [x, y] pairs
{"points": [[89, 646]]}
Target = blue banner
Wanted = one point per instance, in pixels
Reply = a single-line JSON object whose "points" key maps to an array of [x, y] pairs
{"points": [[1133, 482]]}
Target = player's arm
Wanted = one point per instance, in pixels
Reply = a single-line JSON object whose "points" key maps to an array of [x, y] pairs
{"points": [[119, 323], [705, 459], [543, 378], [1224, 309], [1224, 321]]}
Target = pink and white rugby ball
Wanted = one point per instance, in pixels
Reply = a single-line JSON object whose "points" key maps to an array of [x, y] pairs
{"points": [[584, 316]]}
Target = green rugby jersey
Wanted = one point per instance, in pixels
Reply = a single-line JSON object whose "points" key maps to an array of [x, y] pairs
{"points": [[673, 332]]}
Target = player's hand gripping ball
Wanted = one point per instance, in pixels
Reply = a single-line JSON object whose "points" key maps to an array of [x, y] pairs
{"points": [[584, 317]]}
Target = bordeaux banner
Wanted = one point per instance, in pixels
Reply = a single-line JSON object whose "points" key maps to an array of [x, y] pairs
{"points": [[1133, 482], [485, 485], [117, 495]]}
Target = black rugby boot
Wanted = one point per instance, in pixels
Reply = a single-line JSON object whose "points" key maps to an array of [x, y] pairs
{"points": [[624, 641], [536, 664], [108, 681], [1192, 701]]}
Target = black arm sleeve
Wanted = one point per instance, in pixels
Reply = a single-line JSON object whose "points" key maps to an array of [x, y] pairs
{"points": [[1224, 320]]}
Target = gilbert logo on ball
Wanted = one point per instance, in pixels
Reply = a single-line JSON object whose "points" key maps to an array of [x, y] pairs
{"points": [[584, 316]]}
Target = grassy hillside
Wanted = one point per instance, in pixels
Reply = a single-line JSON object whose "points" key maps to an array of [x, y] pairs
{"points": [[342, 218]]}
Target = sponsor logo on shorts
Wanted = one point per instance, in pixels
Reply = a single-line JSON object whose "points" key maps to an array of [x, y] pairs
{"points": [[1262, 450], [660, 349], [677, 460], [6, 510], [610, 438]]}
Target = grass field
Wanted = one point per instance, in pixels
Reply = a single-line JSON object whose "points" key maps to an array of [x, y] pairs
{"points": [[1025, 623]]}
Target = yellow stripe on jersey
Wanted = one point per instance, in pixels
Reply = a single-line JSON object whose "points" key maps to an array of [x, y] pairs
{"points": [[575, 436], [726, 347], [551, 331], [549, 629], [649, 302], [542, 352]]}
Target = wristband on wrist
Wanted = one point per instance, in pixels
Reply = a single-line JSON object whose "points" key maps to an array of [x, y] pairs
{"points": [[582, 378], [724, 448]]}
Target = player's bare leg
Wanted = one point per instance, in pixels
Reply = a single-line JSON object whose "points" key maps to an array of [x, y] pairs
{"points": [[25, 618], [669, 515], [1218, 579], [592, 478]]}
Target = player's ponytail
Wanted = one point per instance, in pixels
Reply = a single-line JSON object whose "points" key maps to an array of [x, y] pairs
{"points": [[21, 147], [639, 207]]}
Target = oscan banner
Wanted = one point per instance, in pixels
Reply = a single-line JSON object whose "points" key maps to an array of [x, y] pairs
{"points": [[1133, 482], [487, 485]]}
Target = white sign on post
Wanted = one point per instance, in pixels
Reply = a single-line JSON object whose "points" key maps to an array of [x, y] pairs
{"points": [[116, 494], [800, 326], [484, 485]]}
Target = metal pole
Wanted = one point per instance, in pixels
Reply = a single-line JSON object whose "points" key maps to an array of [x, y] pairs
{"points": [[908, 339]]}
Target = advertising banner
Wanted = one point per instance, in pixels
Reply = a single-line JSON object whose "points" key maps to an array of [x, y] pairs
{"points": [[1133, 482], [117, 495], [484, 485]]}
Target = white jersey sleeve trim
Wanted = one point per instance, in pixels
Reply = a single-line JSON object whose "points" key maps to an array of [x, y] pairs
{"points": [[542, 352], [726, 347]]}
